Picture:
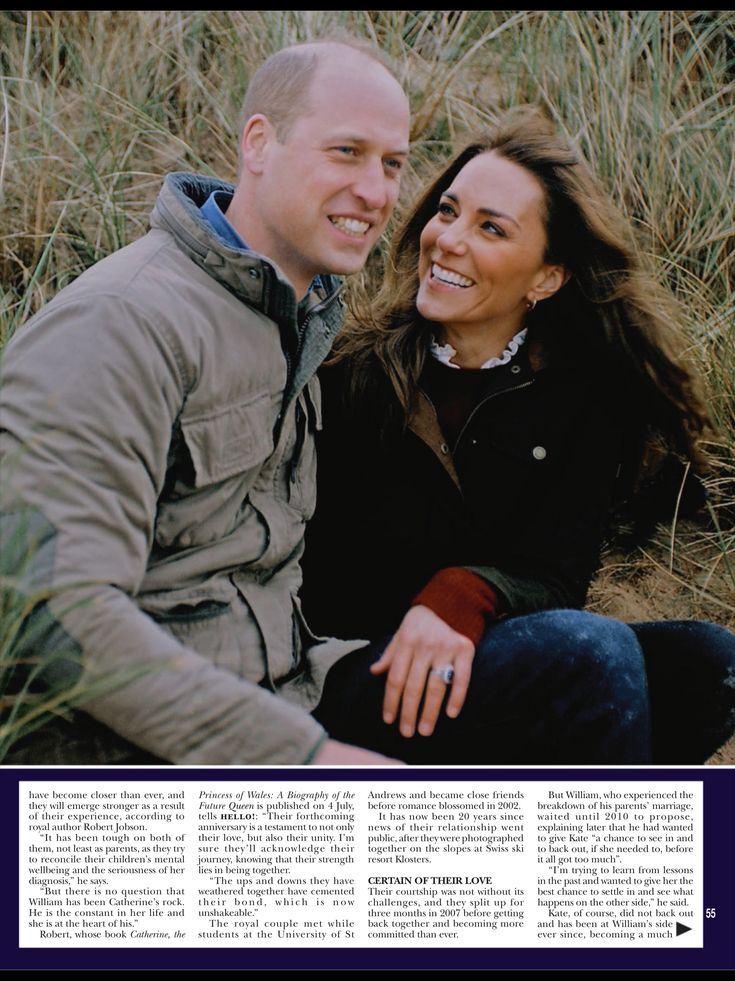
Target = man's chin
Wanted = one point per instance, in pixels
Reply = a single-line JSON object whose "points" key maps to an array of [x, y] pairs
{"points": [[348, 265]]}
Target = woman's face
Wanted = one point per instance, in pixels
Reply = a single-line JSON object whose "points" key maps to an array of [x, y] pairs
{"points": [[482, 254]]}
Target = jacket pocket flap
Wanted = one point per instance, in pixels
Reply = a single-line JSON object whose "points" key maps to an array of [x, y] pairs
{"points": [[537, 449], [230, 440]]}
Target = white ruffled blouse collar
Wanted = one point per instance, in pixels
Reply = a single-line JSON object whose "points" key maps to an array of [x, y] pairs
{"points": [[445, 352]]}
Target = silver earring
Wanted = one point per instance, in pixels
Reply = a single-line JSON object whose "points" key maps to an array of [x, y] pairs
{"points": [[532, 305]]}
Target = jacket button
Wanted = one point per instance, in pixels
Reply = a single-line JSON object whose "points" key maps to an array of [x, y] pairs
{"points": [[444, 448], [254, 273], [515, 369], [539, 453]]}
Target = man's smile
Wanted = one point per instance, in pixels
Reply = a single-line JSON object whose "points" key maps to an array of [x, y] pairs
{"points": [[351, 226]]}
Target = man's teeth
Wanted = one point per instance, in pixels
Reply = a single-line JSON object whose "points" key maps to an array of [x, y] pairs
{"points": [[351, 225], [449, 277]]}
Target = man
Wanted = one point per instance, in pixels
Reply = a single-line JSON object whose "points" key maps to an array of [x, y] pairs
{"points": [[157, 437]]}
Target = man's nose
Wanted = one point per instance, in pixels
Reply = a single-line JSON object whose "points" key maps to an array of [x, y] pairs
{"points": [[373, 185]]}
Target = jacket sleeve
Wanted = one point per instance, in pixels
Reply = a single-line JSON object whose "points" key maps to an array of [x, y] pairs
{"points": [[462, 599], [91, 390]]}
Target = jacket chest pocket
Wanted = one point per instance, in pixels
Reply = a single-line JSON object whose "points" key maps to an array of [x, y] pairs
{"points": [[216, 463], [505, 472]]}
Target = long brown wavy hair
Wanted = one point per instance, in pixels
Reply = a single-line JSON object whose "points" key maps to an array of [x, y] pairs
{"points": [[612, 312]]}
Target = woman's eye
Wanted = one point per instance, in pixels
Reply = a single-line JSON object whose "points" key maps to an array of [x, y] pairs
{"points": [[445, 209], [490, 226]]}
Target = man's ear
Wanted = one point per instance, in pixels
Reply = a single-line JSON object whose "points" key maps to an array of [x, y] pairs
{"points": [[550, 281], [256, 138]]}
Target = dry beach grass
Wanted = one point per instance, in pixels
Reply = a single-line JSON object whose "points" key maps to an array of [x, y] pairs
{"points": [[95, 106]]}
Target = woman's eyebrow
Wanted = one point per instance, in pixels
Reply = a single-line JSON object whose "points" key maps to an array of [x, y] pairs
{"points": [[483, 211]]}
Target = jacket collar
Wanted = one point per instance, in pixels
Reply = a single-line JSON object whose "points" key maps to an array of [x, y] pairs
{"points": [[252, 277]]}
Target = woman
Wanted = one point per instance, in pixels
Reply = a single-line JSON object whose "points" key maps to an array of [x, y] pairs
{"points": [[517, 377]]}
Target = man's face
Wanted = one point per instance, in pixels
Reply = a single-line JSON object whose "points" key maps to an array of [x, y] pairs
{"points": [[326, 193]]}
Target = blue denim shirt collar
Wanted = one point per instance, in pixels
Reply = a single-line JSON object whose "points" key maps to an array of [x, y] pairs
{"points": [[213, 210]]}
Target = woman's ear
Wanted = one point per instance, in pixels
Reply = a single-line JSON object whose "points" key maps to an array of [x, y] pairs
{"points": [[551, 279]]}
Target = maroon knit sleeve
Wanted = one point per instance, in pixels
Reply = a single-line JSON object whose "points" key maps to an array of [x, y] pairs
{"points": [[462, 599]]}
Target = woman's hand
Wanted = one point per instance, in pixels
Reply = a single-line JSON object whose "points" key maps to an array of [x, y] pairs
{"points": [[422, 644]]}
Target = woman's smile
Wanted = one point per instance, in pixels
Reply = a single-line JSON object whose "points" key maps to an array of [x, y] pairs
{"points": [[447, 277]]}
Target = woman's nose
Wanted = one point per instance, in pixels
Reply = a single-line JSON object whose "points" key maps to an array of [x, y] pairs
{"points": [[452, 239]]}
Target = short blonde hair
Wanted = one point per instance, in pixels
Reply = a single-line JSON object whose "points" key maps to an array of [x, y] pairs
{"points": [[280, 88]]}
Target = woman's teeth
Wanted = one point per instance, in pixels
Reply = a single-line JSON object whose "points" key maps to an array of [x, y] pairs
{"points": [[449, 277]]}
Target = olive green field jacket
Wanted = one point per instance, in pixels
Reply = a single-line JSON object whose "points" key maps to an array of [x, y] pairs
{"points": [[157, 423]]}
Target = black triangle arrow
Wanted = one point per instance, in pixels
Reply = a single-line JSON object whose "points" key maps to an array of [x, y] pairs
{"points": [[680, 928]]}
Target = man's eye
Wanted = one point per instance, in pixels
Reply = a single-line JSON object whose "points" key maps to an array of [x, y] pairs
{"points": [[348, 151], [392, 164]]}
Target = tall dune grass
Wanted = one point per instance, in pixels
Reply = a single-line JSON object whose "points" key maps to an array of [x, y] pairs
{"points": [[96, 106]]}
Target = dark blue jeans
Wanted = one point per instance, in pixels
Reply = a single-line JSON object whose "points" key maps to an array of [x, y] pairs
{"points": [[561, 686]]}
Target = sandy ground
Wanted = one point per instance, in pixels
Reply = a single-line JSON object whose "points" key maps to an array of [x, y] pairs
{"points": [[724, 756]]}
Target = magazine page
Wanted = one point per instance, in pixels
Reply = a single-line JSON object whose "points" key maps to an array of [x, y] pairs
{"points": [[367, 490], [304, 868]]}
